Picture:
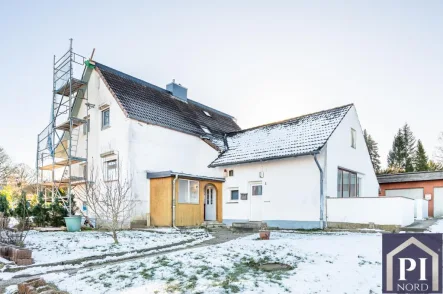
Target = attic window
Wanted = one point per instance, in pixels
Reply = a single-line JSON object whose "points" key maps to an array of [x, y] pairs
{"points": [[205, 129], [207, 113]]}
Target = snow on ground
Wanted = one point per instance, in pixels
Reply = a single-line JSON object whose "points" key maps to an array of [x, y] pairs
{"points": [[321, 263], [437, 227], [52, 247]]}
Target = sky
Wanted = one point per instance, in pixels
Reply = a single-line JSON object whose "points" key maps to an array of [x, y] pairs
{"points": [[260, 61]]}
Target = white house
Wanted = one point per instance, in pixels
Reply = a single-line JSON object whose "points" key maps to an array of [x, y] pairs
{"points": [[282, 172], [191, 163]]}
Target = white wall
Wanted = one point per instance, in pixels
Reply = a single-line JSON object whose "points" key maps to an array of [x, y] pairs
{"points": [[141, 147], [421, 209], [291, 190], [341, 154], [153, 148], [377, 210]]}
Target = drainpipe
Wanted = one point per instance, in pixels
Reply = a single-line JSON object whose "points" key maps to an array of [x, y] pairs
{"points": [[322, 196], [173, 201]]}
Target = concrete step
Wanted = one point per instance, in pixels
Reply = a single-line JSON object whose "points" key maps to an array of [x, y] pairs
{"points": [[213, 224], [246, 226]]}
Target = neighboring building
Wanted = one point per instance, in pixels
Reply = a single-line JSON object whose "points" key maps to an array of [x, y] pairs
{"points": [[416, 185], [191, 163], [273, 176]]}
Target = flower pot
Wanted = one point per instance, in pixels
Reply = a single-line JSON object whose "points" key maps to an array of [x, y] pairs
{"points": [[73, 223], [265, 234]]}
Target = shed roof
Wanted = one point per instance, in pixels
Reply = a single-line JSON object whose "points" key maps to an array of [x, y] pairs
{"points": [[170, 173], [154, 105], [289, 138], [410, 177]]}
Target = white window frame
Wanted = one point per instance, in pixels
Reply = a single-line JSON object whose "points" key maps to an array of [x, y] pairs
{"points": [[86, 126], [353, 138], [108, 175], [103, 118], [188, 198], [257, 184], [230, 173], [230, 194]]}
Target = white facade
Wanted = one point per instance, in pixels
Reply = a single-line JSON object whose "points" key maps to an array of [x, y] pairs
{"points": [[290, 192], [291, 187], [139, 147]]}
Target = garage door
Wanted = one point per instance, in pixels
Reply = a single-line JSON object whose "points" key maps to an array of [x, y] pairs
{"points": [[416, 193], [438, 202]]}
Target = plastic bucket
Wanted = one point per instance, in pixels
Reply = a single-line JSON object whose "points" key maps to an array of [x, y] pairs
{"points": [[73, 223]]}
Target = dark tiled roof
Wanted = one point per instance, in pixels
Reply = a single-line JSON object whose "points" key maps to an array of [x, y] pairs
{"points": [[410, 177], [151, 104], [293, 137]]}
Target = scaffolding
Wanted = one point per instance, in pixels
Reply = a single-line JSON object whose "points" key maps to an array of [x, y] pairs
{"points": [[57, 144]]}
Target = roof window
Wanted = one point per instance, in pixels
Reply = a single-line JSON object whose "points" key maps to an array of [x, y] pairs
{"points": [[207, 113], [205, 129]]}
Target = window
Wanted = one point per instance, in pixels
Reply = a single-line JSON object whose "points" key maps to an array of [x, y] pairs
{"points": [[348, 184], [231, 173], [353, 138], [188, 192], [105, 119], [111, 170], [85, 171], [86, 127], [205, 129], [207, 113], [234, 194], [257, 190]]}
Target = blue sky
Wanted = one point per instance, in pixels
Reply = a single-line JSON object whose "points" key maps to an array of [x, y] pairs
{"points": [[260, 61]]}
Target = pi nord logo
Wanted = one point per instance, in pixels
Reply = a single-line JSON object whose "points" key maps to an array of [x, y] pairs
{"points": [[412, 263]]}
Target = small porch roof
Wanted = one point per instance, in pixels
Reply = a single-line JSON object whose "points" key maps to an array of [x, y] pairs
{"points": [[170, 173]]}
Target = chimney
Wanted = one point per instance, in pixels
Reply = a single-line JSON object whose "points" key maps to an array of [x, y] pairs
{"points": [[178, 91]]}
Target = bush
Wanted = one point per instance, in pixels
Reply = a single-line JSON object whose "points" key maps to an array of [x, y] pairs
{"points": [[4, 206], [57, 213], [40, 212]]}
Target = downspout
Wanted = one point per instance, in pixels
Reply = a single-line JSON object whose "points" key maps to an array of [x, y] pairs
{"points": [[173, 201], [322, 196]]}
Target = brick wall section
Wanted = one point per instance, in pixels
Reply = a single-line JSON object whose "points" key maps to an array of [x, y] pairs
{"points": [[428, 188]]}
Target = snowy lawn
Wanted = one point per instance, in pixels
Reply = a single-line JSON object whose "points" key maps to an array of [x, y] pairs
{"points": [[320, 263], [52, 247]]}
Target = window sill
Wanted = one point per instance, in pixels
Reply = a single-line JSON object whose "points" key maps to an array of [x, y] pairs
{"points": [[105, 127], [232, 202]]}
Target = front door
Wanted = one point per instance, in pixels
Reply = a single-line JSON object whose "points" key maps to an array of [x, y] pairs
{"points": [[210, 204], [256, 192]]}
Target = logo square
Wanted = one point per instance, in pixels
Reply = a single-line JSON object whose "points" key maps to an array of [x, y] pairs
{"points": [[412, 263]]}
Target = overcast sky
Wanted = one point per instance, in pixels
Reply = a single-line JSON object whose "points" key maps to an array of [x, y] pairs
{"points": [[260, 61]]}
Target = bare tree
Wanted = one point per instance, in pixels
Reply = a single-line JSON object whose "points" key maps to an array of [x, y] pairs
{"points": [[5, 166], [109, 196]]}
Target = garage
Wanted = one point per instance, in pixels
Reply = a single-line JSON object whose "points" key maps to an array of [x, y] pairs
{"points": [[413, 193], [438, 201]]}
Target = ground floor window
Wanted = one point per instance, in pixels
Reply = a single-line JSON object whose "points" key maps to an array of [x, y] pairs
{"points": [[348, 184], [234, 194], [188, 192]]}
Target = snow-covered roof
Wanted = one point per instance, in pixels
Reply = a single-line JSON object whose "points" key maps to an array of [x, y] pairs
{"points": [[293, 137], [154, 105]]}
